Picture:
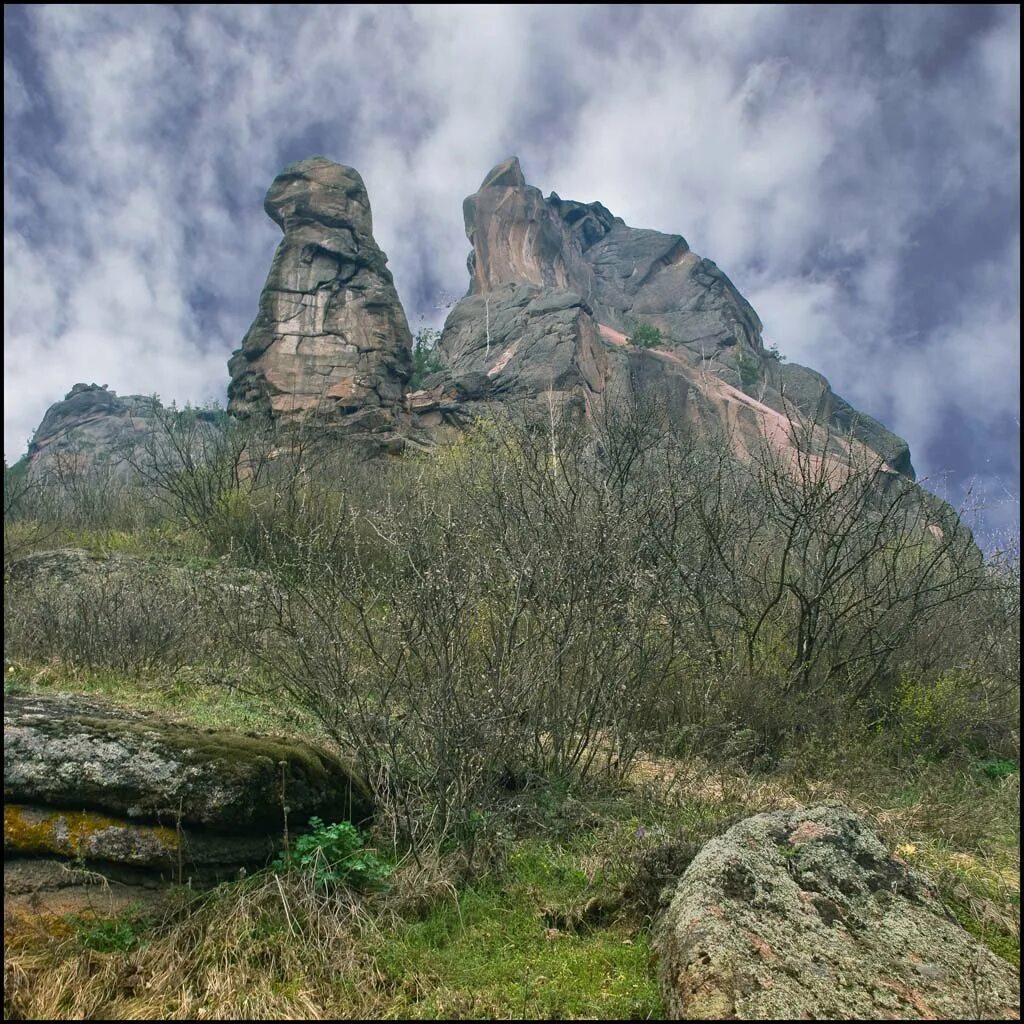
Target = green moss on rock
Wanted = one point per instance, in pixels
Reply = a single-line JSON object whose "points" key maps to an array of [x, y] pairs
{"points": [[86, 834], [71, 752]]}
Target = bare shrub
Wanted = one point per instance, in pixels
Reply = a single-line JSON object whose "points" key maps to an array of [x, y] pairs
{"points": [[550, 593], [553, 592], [477, 621], [121, 614], [257, 491]]}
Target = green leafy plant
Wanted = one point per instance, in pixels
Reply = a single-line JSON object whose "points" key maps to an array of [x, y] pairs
{"points": [[425, 357], [105, 935], [647, 336], [337, 855], [749, 370], [997, 768], [929, 716]]}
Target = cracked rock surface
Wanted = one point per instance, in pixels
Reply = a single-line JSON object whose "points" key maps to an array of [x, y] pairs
{"points": [[330, 335], [83, 754], [806, 915]]}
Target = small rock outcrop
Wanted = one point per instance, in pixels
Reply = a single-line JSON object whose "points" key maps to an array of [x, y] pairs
{"points": [[93, 434], [330, 336], [806, 915], [87, 780], [91, 425]]}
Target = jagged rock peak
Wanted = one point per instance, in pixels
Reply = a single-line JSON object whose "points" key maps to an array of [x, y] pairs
{"points": [[622, 276], [330, 337], [516, 237], [565, 297]]}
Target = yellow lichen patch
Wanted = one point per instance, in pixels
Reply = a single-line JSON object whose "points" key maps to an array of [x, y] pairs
{"points": [[74, 833]]}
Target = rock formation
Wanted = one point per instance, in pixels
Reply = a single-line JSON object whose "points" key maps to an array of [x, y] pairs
{"points": [[330, 336], [566, 303], [805, 915], [86, 780], [565, 299], [91, 424]]}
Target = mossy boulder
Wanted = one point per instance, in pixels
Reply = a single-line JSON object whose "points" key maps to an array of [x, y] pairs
{"points": [[76, 753], [806, 915], [88, 836]]}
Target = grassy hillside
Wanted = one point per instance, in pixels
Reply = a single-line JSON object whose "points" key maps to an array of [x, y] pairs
{"points": [[564, 654]]}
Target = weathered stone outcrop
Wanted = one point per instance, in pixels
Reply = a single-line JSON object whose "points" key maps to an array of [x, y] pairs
{"points": [[139, 799], [79, 753], [810, 393], [559, 288], [561, 294], [806, 915], [91, 425], [95, 435], [330, 336]]}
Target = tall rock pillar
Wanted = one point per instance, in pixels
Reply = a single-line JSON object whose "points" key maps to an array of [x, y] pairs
{"points": [[330, 337]]}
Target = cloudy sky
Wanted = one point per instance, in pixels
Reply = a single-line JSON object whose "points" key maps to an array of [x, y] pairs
{"points": [[855, 171]]}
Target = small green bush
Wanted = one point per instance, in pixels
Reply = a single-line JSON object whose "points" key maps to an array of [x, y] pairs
{"points": [[997, 768], [111, 935], [425, 357], [930, 717], [337, 855], [749, 370], [647, 336]]}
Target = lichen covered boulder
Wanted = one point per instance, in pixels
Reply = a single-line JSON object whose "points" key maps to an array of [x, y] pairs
{"points": [[76, 753], [92, 836], [806, 915]]}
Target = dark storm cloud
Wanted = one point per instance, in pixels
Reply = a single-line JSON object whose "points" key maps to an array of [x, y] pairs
{"points": [[853, 169]]}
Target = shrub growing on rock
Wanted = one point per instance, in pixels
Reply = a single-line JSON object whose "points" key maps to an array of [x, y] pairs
{"points": [[647, 336]]}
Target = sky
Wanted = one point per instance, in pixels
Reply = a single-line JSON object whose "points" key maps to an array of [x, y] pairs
{"points": [[854, 170]]}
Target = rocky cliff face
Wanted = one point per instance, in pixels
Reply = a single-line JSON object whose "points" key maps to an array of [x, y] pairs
{"points": [[330, 336], [566, 299]]}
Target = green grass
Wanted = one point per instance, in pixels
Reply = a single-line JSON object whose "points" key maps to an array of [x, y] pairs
{"points": [[159, 543], [106, 935], [496, 950], [962, 821], [190, 696], [1002, 942], [518, 937]]}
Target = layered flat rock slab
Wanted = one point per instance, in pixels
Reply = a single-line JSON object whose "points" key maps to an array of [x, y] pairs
{"points": [[75, 753], [39, 892], [805, 915], [168, 849]]}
